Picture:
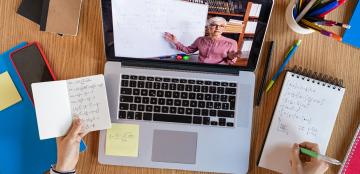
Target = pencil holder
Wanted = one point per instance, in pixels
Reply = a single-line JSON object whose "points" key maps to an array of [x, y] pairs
{"points": [[290, 20]]}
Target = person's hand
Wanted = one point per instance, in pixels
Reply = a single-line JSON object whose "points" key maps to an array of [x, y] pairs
{"points": [[170, 37], [234, 55], [68, 148], [304, 164]]}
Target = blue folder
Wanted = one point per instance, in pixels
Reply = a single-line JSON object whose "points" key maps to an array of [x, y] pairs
{"points": [[21, 150], [352, 35]]}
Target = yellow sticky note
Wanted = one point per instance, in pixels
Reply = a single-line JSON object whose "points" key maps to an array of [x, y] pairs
{"points": [[8, 92], [122, 140]]}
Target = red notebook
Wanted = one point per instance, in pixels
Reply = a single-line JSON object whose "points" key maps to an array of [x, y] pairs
{"points": [[351, 163]]}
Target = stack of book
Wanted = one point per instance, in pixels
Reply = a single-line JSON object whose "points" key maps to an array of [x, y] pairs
{"points": [[234, 26]]}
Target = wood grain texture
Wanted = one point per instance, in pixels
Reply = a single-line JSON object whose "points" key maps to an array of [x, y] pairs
{"points": [[83, 55]]}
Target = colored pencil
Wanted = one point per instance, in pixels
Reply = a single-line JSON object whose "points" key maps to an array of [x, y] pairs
{"points": [[266, 71], [321, 30], [286, 61], [341, 2], [305, 10]]}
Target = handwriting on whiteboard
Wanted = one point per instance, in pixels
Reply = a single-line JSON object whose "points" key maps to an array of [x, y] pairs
{"points": [[83, 94]]}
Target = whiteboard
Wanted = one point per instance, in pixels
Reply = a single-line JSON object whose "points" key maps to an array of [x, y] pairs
{"points": [[139, 26]]}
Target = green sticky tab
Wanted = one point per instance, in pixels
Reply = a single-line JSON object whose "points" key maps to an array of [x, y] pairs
{"points": [[308, 152]]}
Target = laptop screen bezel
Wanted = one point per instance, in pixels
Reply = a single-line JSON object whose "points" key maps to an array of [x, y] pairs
{"points": [[264, 17]]}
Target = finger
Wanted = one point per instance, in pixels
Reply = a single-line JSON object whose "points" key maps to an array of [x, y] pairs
{"points": [[295, 155], [82, 135], [76, 128]]}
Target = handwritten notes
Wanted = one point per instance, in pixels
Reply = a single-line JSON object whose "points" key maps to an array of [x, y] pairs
{"points": [[8, 92], [58, 102], [122, 140], [306, 111], [141, 24]]}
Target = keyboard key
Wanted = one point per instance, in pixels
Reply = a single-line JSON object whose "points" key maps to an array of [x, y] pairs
{"points": [[199, 82], [222, 121], [177, 102], [122, 114], [200, 96], [183, 81], [217, 105], [124, 106], [172, 87], [214, 123], [197, 88], [124, 83], [212, 89], [166, 79], [180, 87], [149, 108], [184, 95], [228, 114], [193, 103], [160, 93], [181, 110], [215, 97], [125, 76], [141, 107], [206, 120], [153, 101], [157, 108], [142, 77], [137, 99], [175, 80], [133, 77], [165, 86], [192, 95], [204, 112], [130, 115], [216, 83], [169, 102], [164, 109], [173, 110], [224, 84], [144, 92], [176, 94], [148, 85], [225, 106], [157, 85], [208, 82], [230, 124], [220, 90], [152, 93], [188, 87], [188, 111], [191, 81], [141, 85], [136, 92], [126, 91], [209, 105], [197, 120], [150, 78], [168, 94], [201, 104], [232, 99], [197, 111], [145, 100], [224, 98], [208, 97], [132, 84], [232, 84], [126, 98], [172, 118], [133, 107], [185, 103], [138, 116], [161, 101], [213, 113], [204, 89], [158, 79], [147, 116], [231, 91]]}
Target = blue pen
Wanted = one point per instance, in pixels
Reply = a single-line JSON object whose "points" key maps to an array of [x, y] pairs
{"points": [[287, 59], [324, 9]]}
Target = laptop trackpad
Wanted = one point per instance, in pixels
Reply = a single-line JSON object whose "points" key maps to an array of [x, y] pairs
{"points": [[174, 147]]}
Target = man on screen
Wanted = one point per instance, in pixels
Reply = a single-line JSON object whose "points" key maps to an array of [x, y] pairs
{"points": [[213, 49]]}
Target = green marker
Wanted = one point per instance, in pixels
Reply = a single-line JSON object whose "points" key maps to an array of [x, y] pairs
{"points": [[186, 58], [319, 156]]}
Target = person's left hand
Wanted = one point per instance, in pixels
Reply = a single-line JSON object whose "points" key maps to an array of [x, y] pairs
{"points": [[233, 55], [68, 148]]}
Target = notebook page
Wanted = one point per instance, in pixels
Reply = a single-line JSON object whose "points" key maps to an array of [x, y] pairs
{"points": [[306, 111], [89, 102]]}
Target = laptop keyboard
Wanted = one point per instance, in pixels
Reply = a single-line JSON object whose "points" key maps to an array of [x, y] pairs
{"points": [[177, 100]]}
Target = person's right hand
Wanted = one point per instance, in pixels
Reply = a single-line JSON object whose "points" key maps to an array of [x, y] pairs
{"points": [[170, 37], [303, 164]]}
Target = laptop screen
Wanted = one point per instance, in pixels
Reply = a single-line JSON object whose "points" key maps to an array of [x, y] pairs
{"points": [[208, 32]]}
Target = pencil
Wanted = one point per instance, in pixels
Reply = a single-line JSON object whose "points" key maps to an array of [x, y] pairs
{"points": [[286, 61], [266, 71], [321, 30], [305, 10]]}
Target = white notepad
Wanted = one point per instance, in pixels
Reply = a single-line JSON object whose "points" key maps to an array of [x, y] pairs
{"points": [[306, 111], [57, 102]]}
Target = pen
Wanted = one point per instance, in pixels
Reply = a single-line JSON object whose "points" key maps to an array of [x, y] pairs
{"points": [[287, 59], [305, 10], [324, 9], [319, 156], [266, 70]]}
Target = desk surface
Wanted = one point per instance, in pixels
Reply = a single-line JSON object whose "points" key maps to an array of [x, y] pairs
{"points": [[83, 55]]}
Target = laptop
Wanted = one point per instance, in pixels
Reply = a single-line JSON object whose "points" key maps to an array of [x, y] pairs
{"points": [[191, 115]]}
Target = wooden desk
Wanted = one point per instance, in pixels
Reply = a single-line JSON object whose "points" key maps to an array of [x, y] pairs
{"points": [[84, 55]]}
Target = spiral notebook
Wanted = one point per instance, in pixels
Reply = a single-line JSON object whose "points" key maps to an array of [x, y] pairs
{"points": [[352, 158], [306, 111]]}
